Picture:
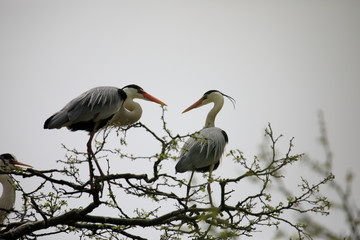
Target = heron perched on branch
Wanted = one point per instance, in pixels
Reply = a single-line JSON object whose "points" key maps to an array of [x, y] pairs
{"points": [[100, 107], [202, 152], [7, 199]]}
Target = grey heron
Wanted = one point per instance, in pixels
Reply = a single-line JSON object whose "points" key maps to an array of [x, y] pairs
{"points": [[7, 199], [99, 107], [202, 152]]}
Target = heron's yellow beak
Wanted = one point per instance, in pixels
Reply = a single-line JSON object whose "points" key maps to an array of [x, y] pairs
{"points": [[154, 99], [21, 164], [195, 105]]}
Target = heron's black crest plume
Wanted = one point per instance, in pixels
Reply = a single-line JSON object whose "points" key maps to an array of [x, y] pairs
{"points": [[211, 91], [232, 100], [7, 156], [139, 89]]}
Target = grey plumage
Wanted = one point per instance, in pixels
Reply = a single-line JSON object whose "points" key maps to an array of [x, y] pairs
{"points": [[202, 150], [90, 111]]}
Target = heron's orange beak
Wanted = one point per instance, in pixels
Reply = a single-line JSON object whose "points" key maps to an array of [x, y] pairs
{"points": [[154, 99], [20, 163], [195, 105]]}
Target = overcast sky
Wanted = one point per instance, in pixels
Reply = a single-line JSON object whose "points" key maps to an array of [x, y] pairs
{"points": [[282, 61]]}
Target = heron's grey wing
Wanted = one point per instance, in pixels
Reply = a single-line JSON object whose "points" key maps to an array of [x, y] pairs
{"points": [[202, 150], [189, 152], [93, 105]]}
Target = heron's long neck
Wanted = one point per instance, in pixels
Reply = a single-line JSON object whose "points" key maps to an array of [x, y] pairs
{"points": [[7, 198], [129, 113], [210, 119]]}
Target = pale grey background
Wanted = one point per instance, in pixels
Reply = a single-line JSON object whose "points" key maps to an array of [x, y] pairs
{"points": [[281, 60]]}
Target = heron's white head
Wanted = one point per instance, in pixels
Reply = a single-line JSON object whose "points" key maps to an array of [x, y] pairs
{"points": [[134, 91], [9, 160], [212, 96]]}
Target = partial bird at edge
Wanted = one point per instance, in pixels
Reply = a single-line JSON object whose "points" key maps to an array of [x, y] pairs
{"points": [[7, 199]]}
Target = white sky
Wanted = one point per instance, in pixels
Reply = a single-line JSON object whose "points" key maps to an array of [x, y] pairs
{"points": [[281, 60]]}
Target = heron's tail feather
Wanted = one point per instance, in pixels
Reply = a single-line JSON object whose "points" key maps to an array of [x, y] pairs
{"points": [[182, 166], [57, 120]]}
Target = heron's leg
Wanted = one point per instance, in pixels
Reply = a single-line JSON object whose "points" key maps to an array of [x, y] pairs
{"points": [[189, 187], [209, 184], [91, 154], [89, 151], [187, 196]]}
